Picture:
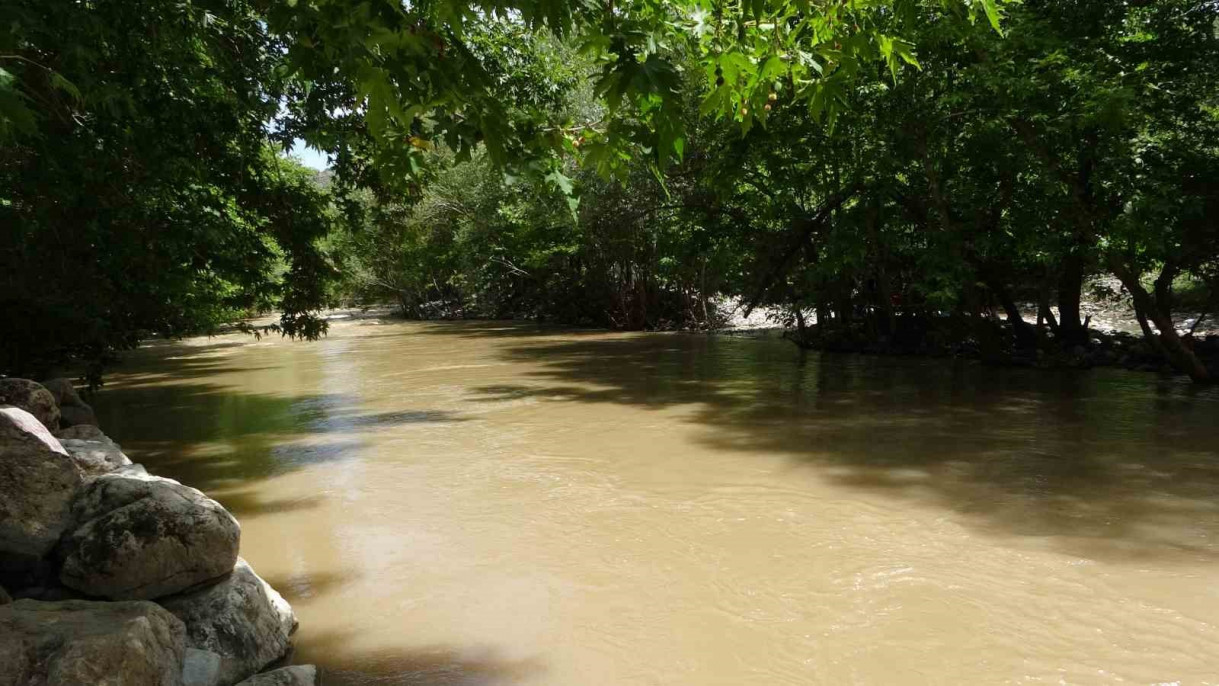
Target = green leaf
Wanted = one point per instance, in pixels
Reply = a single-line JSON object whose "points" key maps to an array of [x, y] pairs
{"points": [[58, 81], [560, 180], [991, 7]]}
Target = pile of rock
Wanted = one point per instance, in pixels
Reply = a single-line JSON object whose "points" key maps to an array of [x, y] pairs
{"points": [[120, 577]]}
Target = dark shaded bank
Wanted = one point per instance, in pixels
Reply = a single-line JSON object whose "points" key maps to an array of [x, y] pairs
{"points": [[1001, 343], [991, 341]]}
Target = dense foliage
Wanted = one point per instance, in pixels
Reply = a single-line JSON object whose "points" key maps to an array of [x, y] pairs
{"points": [[139, 191], [1003, 174], [890, 173]]}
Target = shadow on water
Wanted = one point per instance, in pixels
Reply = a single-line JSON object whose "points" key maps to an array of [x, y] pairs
{"points": [[345, 663], [1104, 464], [224, 441], [424, 666], [498, 328]]}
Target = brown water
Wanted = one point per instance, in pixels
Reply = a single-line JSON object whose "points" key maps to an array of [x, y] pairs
{"points": [[495, 504]]}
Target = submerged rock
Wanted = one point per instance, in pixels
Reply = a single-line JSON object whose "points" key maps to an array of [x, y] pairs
{"points": [[297, 675], [82, 432], [37, 484], [77, 415], [77, 642], [32, 398], [5, 598], [241, 619], [141, 537]]}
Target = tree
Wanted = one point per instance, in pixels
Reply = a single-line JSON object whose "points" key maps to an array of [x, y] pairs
{"points": [[374, 80], [139, 190]]}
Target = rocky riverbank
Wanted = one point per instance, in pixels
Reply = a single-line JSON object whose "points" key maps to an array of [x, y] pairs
{"points": [[112, 576]]}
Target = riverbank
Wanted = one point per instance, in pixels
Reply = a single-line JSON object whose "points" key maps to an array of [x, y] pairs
{"points": [[111, 575], [1114, 338]]}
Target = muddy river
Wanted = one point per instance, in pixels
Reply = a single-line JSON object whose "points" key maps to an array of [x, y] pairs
{"points": [[494, 503]]}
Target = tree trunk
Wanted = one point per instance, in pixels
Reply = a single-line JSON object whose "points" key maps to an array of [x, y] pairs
{"points": [[823, 315], [1158, 309], [1071, 328], [886, 321], [801, 327], [1044, 313], [1026, 336], [803, 227]]}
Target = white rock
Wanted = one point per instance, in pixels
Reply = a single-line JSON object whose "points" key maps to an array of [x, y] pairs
{"points": [[37, 484]]}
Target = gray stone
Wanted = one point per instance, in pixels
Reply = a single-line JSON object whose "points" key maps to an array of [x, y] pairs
{"points": [[82, 432], [241, 618], [37, 484], [78, 642], [63, 390], [297, 675], [72, 410], [32, 398], [134, 469], [94, 458], [140, 537], [200, 668]]}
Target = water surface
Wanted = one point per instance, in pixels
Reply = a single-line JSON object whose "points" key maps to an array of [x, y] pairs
{"points": [[493, 503]]}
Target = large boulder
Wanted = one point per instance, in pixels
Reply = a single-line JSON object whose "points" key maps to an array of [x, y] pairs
{"points": [[31, 397], [95, 457], [19, 426], [297, 675], [63, 391], [140, 537], [241, 619], [72, 410], [77, 642], [38, 481]]}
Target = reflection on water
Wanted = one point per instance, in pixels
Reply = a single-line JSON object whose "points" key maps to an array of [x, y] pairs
{"points": [[491, 503]]}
